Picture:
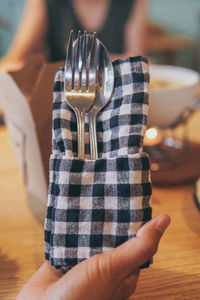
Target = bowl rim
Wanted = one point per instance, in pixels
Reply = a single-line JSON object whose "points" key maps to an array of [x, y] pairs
{"points": [[195, 74]]}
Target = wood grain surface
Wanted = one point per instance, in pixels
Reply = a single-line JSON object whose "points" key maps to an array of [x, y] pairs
{"points": [[175, 273], [21, 235]]}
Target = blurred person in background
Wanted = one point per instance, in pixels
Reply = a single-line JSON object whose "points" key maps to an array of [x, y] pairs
{"points": [[120, 25]]}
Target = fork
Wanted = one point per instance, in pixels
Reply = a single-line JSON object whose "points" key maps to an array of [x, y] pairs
{"points": [[80, 81]]}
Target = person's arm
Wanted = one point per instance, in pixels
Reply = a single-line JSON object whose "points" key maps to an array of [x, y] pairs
{"points": [[136, 29], [29, 36]]}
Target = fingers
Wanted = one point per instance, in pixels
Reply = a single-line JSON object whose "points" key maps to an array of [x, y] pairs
{"points": [[51, 273], [135, 252], [160, 224], [39, 282], [129, 284]]}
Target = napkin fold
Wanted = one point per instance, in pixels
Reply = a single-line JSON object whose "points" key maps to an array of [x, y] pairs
{"points": [[94, 206]]}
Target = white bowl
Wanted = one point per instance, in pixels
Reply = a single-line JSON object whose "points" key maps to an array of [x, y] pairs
{"points": [[167, 103]]}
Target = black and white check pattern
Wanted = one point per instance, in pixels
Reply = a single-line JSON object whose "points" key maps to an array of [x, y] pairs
{"points": [[94, 206]]}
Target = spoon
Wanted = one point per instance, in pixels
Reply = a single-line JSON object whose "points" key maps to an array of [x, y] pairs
{"points": [[104, 90]]}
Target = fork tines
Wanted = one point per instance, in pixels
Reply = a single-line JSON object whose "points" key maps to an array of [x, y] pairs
{"points": [[81, 62]]}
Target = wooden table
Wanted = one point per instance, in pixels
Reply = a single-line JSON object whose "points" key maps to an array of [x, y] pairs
{"points": [[21, 235], [175, 273]]}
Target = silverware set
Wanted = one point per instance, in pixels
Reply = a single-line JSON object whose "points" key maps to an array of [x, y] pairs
{"points": [[89, 81]]}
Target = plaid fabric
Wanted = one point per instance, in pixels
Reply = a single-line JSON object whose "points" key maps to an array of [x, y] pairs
{"points": [[94, 206]]}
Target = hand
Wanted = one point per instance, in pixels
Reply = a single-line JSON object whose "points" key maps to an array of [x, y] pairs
{"points": [[107, 276]]}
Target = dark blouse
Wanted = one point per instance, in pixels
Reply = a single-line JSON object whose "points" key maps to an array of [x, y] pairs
{"points": [[62, 20]]}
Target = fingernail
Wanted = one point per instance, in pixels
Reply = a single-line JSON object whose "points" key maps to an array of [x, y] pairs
{"points": [[162, 223]]}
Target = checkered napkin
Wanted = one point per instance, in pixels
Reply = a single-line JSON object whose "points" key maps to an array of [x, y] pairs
{"points": [[94, 206]]}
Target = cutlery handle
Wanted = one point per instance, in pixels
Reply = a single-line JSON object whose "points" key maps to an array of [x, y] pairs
{"points": [[93, 136], [81, 133]]}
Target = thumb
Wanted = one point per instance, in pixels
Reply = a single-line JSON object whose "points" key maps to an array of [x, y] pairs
{"points": [[138, 250]]}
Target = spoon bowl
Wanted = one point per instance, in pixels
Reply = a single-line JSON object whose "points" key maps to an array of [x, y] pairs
{"points": [[104, 90]]}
